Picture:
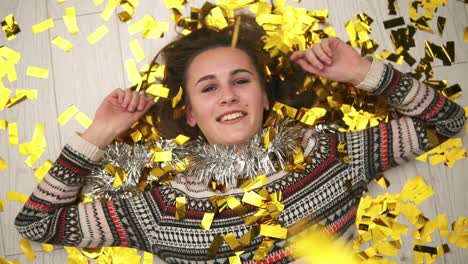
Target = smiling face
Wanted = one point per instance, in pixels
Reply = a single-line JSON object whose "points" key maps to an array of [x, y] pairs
{"points": [[226, 99]]}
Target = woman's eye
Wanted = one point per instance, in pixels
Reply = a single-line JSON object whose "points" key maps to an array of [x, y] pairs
{"points": [[242, 81], [208, 89]]}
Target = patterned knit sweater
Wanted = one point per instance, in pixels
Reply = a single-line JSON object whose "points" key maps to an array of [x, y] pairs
{"points": [[326, 193]]}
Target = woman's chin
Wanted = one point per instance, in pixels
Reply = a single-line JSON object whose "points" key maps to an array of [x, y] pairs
{"points": [[236, 138]]}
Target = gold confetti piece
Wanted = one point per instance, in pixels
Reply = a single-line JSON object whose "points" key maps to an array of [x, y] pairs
{"points": [[382, 181], [310, 116], [207, 220], [37, 72], [27, 249], [177, 4], [2, 205], [325, 250], [36, 147], [161, 156], [98, 34], [258, 182], [43, 26], [109, 9], [3, 164], [3, 124], [10, 27], [97, 2], [136, 49], [231, 241], [13, 133], [83, 119], [17, 197], [275, 231], [416, 190], [4, 96], [29, 94], [215, 245], [392, 7], [253, 198], [181, 201], [158, 90], [70, 20], [181, 139], [62, 43], [41, 171], [263, 249], [235, 34], [176, 99], [133, 74], [147, 258], [395, 22], [75, 256], [47, 247], [283, 110], [465, 35], [441, 24], [235, 205], [216, 19], [67, 115]]}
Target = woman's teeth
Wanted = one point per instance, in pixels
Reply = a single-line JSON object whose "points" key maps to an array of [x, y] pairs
{"points": [[231, 116]]}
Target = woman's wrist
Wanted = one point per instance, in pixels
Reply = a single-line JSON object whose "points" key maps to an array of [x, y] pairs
{"points": [[99, 135], [361, 71]]}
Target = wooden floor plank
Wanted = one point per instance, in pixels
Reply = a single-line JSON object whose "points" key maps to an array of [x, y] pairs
{"points": [[35, 51], [86, 74], [82, 7]]}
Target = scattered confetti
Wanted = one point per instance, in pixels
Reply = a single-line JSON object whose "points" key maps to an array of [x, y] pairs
{"points": [[136, 49], [10, 27], [41, 171], [3, 164], [13, 133], [43, 26], [109, 9], [67, 115], [98, 34], [37, 72], [17, 197], [70, 20], [27, 249], [83, 119], [62, 43]]}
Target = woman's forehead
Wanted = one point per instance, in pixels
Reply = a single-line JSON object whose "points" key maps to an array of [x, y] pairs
{"points": [[219, 60]]}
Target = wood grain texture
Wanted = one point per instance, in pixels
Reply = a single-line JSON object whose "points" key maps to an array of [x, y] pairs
{"points": [[35, 51], [88, 73]]}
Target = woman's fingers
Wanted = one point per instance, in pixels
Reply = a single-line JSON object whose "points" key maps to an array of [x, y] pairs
{"points": [[322, 56]]}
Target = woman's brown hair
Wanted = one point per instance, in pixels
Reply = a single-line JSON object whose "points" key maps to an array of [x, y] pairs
{"points": [[170, 121]]}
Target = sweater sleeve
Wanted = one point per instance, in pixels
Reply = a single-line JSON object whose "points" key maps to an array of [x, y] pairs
{"points": [[53, 215], [428, 119]]}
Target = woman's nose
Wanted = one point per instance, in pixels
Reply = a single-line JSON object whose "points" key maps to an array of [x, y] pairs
{"points": [[229, 95]]}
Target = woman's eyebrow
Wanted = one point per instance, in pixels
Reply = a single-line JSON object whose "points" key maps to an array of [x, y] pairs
{"points": [[236, 71], [212, 76], [206, 77]]}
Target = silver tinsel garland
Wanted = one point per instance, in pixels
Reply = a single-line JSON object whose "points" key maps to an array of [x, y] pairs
{"points": [[221, 163]]}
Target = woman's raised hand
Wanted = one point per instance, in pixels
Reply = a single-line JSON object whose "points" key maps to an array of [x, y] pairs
{"points": [[117, 113], [334, 60]]}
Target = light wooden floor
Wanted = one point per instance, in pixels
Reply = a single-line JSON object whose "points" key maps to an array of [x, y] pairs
{"points": [[86, 74]]}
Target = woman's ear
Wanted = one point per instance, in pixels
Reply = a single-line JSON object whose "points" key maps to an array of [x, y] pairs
{"points": [[189, 117]]}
